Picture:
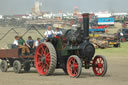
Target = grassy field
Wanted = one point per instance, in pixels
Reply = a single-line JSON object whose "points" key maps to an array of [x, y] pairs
{"points": [[115, 52]]}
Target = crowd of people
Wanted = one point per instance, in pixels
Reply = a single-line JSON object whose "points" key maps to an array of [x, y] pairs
{"points": [[28, 47]]}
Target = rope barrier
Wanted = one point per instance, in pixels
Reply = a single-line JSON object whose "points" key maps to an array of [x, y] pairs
{"points": [[12, 29]]}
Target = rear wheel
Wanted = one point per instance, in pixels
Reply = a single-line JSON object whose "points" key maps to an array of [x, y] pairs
{"points": [[74, 66], [45, 59], [4, 66], [17, 66], [99, 65]]}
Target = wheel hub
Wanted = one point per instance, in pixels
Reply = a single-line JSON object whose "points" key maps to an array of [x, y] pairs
{"points": [[16, 66], [100, 65], [75, 66], [43, 59], [2, 65]]}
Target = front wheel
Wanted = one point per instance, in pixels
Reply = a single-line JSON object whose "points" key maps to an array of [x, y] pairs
{"points": [[99, 65], [74, 66]]}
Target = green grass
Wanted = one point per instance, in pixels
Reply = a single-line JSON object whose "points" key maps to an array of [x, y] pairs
{"points": [[115, 52]]}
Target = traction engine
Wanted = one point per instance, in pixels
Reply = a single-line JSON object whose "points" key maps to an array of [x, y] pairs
{"points": [[70, 52]]}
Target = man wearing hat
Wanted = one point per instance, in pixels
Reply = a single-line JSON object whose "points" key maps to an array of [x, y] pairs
{"points": [[58, 32]]}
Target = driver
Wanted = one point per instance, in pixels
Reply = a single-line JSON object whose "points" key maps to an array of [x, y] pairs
{"points": [[58, 32], [49, 33]]}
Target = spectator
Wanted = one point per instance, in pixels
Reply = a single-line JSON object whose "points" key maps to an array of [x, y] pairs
{"points": [[37, 42], [30, 43], [22, 45], [21, 41], [16, 40]]}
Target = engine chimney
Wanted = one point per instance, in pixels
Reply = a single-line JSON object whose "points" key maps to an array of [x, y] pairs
{"points": [[86, 25]]}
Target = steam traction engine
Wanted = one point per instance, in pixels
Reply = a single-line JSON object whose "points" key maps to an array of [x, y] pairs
{"points": [[70, 52]]}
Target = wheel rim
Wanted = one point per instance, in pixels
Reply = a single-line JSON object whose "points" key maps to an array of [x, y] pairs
{"points": [[72, 67], [2, 65], [42, 59], [98, 65], [15, 67]]}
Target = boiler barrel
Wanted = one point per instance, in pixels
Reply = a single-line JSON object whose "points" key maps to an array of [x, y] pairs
{"points": [[86, 25]]}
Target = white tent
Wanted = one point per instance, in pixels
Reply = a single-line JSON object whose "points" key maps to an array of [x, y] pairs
{"points": [[103, 14]]}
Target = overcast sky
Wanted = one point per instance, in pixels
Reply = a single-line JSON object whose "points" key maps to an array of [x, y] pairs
{"points": [[25, 6]]}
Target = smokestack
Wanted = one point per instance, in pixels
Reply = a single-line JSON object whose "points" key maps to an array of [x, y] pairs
{"points": [[86, 25]]}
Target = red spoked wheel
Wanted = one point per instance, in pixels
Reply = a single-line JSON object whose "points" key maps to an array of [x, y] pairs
{"points": [[99, 65], [74, 66], [45, 59]]}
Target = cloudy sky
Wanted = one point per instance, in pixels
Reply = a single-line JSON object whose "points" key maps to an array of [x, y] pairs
{"points": [[25, 6]]}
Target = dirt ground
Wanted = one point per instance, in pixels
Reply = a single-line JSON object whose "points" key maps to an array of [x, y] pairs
{"points": [[117, 75]]}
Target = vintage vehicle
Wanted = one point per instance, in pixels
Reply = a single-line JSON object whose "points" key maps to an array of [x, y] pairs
{"points": [[70, 52], [11, 58], [104, 40]]}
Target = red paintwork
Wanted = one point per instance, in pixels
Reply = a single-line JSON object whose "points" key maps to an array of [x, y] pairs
{"points": [[100, 27], [42, 51], [12, 53], [72, 67], [123, 40], [8, 53], [99, 69], [57, 37]]}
